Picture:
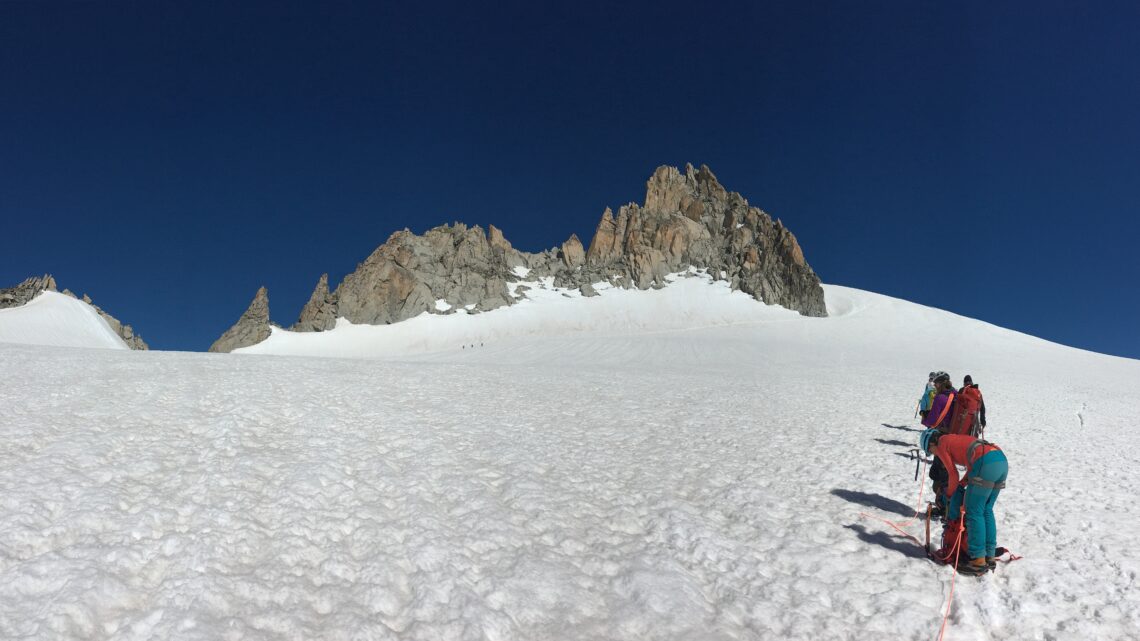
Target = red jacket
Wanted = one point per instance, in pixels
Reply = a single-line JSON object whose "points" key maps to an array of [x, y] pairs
{"points": [[952, 450]]}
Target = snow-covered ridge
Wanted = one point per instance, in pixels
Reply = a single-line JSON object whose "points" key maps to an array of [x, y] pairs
{"points": [[691, 300], [55, 319]]}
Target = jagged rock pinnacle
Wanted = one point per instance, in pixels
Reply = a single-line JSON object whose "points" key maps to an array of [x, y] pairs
{"points": [[252, 328]]}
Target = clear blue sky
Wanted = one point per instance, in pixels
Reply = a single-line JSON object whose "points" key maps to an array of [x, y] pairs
{"points": [[168, 159]]}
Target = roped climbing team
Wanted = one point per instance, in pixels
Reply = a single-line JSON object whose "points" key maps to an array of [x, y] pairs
{"points": [[955, 422]]}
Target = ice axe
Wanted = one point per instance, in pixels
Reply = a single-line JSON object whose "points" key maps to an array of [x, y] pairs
{"points": [[929, 508]]}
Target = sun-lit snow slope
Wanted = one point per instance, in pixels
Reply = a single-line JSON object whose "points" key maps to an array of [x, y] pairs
{"points": [[55, 319], [897, 329], [691, 301], [612, 482]]}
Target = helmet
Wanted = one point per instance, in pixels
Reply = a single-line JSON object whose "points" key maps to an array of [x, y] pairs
{"points": [[938, 376], [924, 439], [932, 375]]}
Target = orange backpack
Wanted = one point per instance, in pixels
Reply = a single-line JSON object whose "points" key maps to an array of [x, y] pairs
{"points": [[965, 419]]}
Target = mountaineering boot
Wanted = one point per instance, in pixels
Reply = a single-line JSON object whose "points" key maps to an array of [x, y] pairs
{"points": [[975, 567], [991, 563]]}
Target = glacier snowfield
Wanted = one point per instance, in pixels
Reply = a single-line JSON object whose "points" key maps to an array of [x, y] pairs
{"points": [[684, 463]]}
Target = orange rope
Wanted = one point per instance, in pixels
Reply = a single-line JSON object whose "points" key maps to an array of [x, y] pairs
{"points": [[917, 512], [950, 601]]}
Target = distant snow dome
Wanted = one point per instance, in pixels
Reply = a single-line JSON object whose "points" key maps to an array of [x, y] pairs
{"points": [[55, 319]]}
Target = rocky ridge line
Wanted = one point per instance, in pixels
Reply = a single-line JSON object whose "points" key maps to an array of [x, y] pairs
{"points": [[23, 293], [687, 220]]}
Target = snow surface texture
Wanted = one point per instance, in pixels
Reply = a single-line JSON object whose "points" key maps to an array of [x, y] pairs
{"points": [[612, 481], [55, 319]]}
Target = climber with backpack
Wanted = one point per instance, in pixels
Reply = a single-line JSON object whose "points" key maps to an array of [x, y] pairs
{"points": [[972, 502], [969, 411], [941, 408], [938, 418]]}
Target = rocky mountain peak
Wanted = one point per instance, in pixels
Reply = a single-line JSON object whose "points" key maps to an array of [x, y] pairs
{"points": [[687, 220], [252, 328], [319, 313], [573, 254], [691, 194]]}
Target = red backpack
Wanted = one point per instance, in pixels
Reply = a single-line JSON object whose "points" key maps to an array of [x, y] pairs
{"points": [[965, 419]]}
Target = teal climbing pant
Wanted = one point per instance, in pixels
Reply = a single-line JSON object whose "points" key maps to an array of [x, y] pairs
{"points": [[979, 497]]}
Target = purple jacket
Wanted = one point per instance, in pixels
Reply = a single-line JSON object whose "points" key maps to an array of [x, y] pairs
{"points": [[943, 406]]}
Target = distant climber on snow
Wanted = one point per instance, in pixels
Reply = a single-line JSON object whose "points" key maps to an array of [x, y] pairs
{"points": [[986, 471], [927, 397]]}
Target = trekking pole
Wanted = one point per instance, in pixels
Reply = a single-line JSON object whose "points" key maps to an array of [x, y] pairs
{"points": [[917, 461]]}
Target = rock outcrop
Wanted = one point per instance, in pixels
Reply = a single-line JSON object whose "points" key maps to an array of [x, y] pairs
{"points": [[319, 313], [252, 328], [690, 219], [24, 292], [573, 255], [125, 332], [406, 275], [687, 220]]}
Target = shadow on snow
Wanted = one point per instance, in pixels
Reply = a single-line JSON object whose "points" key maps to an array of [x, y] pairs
{"points": [[885, 441], [902, 427], [891, 542], [877, 501]]}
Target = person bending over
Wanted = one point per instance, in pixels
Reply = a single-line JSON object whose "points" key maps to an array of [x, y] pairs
{"points": [[986, 471]]}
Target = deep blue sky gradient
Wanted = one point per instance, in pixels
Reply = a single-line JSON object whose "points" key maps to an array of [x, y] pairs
{"points": [[169, 159]]}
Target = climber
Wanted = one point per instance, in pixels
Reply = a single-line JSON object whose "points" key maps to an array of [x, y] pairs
{"points": [[986, 471], [938, 417], [927, 397]]}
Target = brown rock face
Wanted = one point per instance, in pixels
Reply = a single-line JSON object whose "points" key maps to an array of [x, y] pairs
{"points": [[406, 275], [319, 313], [252, 328], [24, 292], [688, 220], [573, 255], [607, 242]]}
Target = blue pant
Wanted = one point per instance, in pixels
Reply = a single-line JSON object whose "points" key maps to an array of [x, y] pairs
{"points": [[981, 527]]}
